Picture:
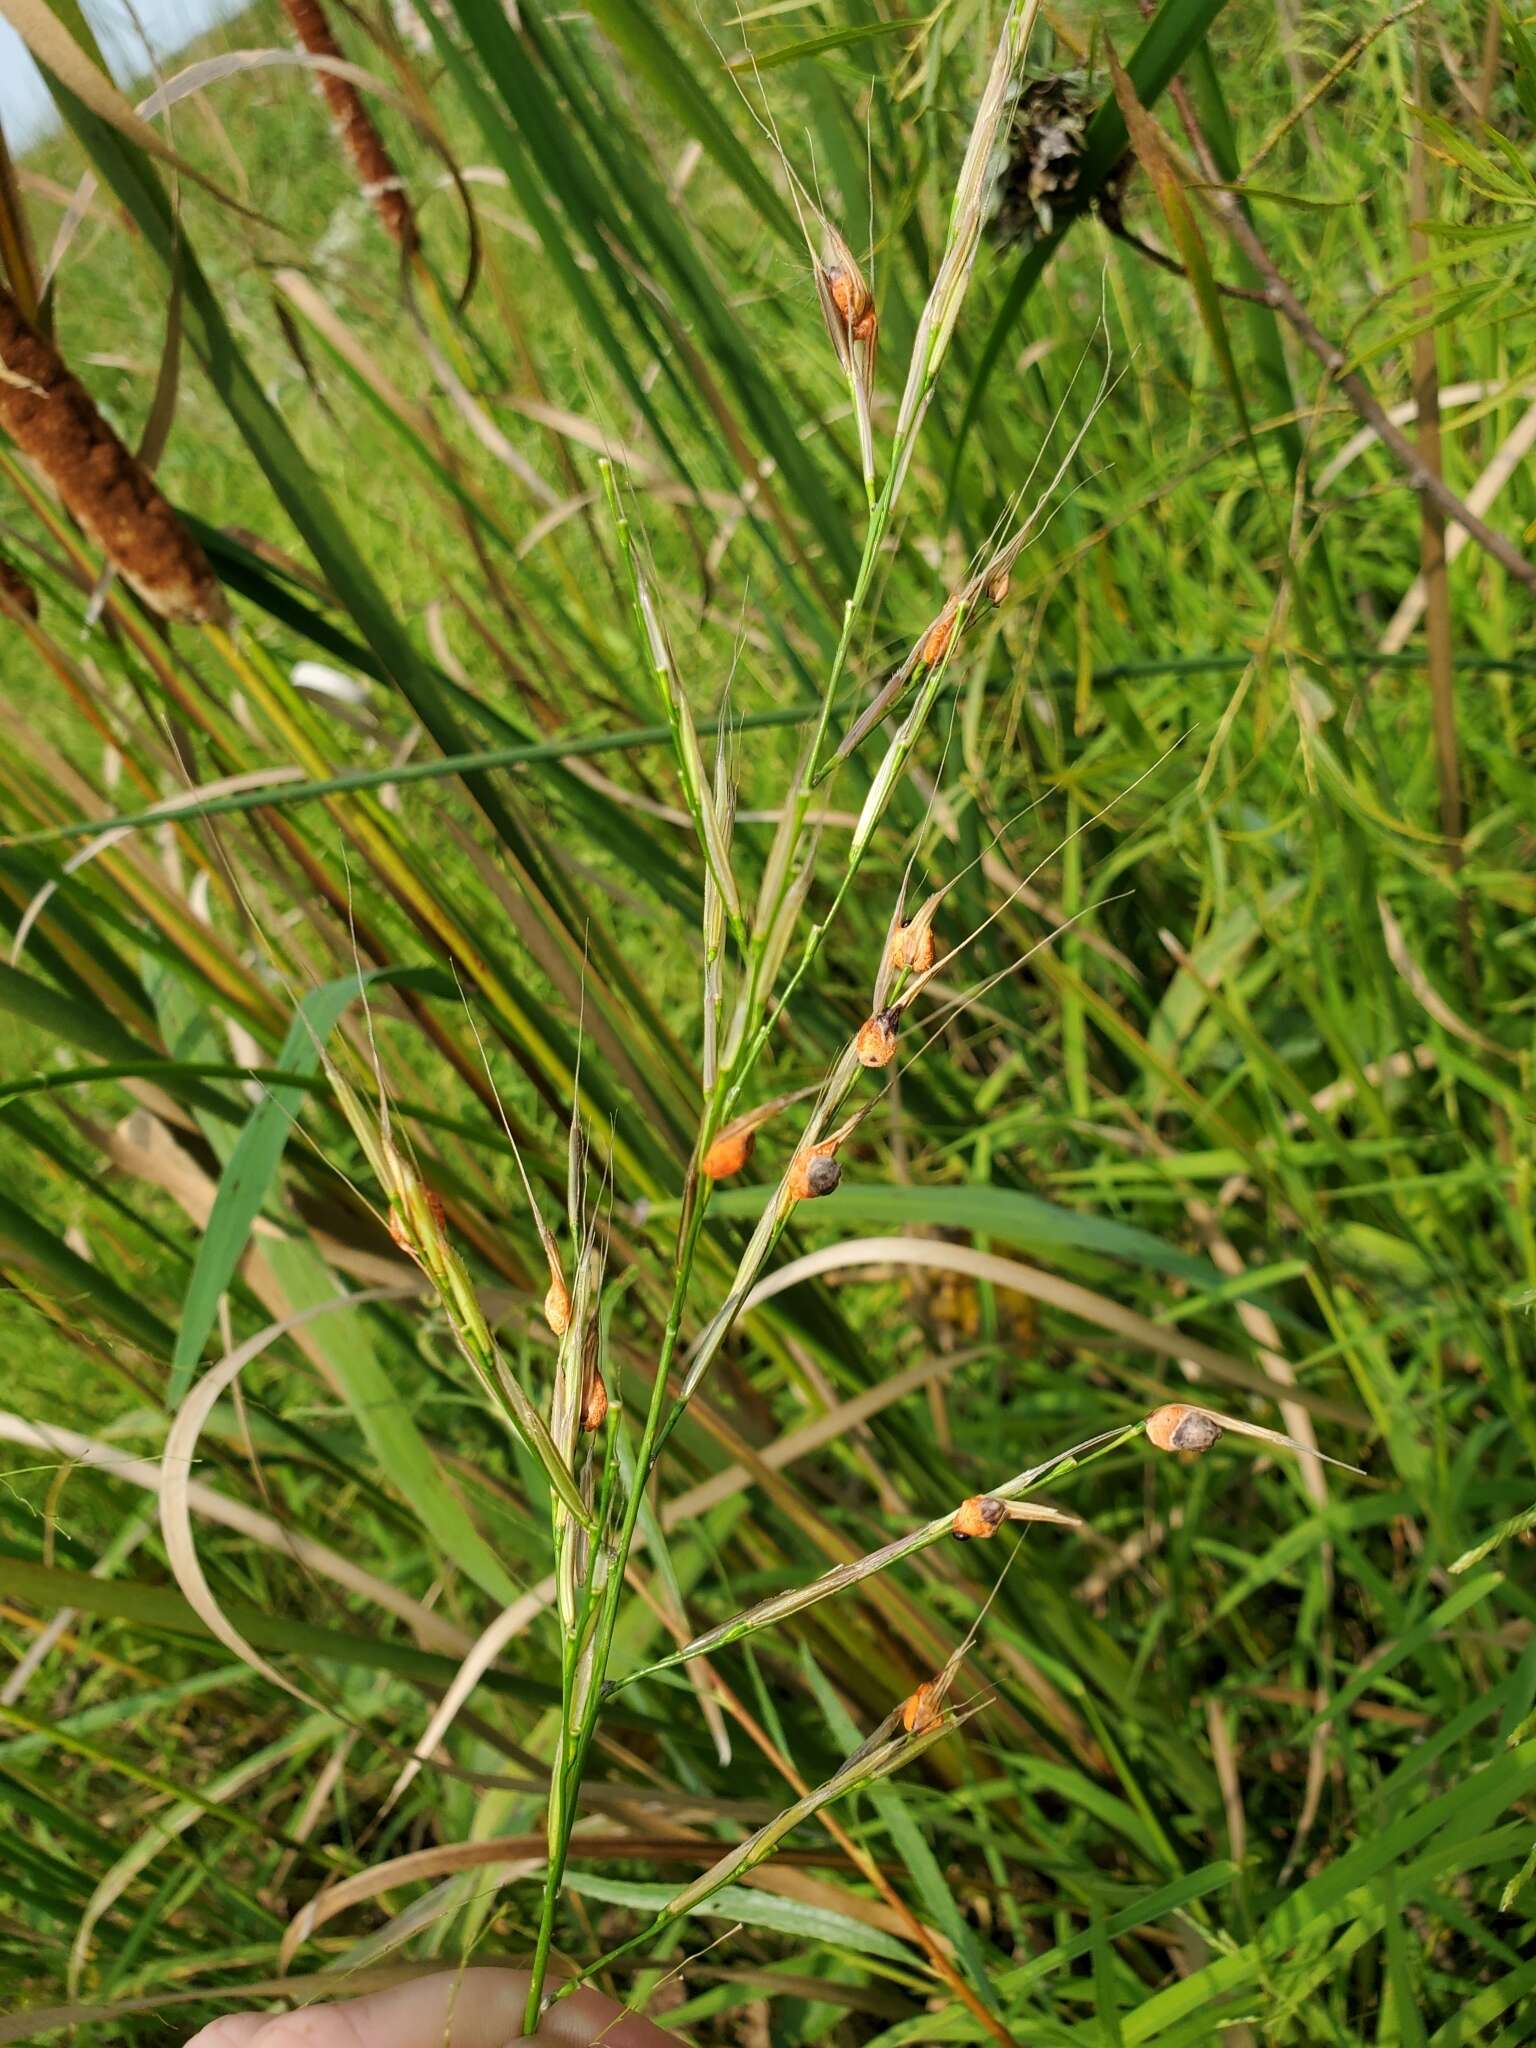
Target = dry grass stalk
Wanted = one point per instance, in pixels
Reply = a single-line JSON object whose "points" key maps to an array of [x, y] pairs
{"points": [[381, 183], [53, 419]]}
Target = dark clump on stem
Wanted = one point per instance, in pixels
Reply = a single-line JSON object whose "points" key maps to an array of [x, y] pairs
{"points": [[381, 182], [1038, 187], [16, 593], [53, 419]]}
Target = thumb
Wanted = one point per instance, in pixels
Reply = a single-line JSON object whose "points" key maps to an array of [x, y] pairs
{"points": [[451, 2009]]}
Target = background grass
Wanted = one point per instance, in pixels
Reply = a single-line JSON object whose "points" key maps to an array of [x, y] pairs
{"points": [[1256, 1760]]}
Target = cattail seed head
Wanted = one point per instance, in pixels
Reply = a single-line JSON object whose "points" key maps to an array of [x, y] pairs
{"points": [[53, 419], [557, 1306], [979, 1517], [728, 1154], [1180, 1428], [814, 1173], [913, 948], [924, 1710], [875, 1045], [16, 593], [380, 181]]}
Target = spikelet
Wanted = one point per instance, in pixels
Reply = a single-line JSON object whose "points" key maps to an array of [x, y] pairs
{"points": [[16, 594], [875, 1045], [400, 1224], [594, 1403], [913, 947], [814, 1173], [381, 183], [557, 1304], [925, 1709], [979, 1517], [52, 418], [728, 1154], [935, 642], [847, 305], [1179, 1428]]}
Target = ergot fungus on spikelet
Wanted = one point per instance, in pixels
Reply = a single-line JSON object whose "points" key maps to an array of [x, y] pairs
{"points": [[594, 1403], [938, 636], [728, 1154], [924, 1710], [847, 304], [1180, 1428], [913, 947], [815, 1172], [979, 1517], [875, 1045], [557, 1304]]}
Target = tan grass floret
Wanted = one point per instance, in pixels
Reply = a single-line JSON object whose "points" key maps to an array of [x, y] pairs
{"points": [[814, 1173], [936, 640], [979, 1517], [557, 1306], [875, 1045], [913, 947], [1180, 1428], [924, 1710], [594, 1404], [53, 419], [728, 1154]]}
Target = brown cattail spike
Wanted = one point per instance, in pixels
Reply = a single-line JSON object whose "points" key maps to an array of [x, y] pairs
{"points": [[381, 182], [924, 1710], [728, 1154], [52, 418], [814, 1173], [979, 1517], [913, 947], [16, 593], [875, 1045], [1178, 1428]]}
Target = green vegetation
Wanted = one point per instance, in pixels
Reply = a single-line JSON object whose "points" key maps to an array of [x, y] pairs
{"points": [[606, 511]]}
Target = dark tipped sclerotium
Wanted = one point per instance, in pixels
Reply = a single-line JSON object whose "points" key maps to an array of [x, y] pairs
{"points": [[822, 1175]]}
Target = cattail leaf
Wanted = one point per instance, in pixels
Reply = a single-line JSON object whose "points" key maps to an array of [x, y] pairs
{"points": [[637, 31], [253, 1164], [72, 1279]]}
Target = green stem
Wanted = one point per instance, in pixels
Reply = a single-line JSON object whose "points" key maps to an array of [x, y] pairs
{"points": [[575, 1745]]}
